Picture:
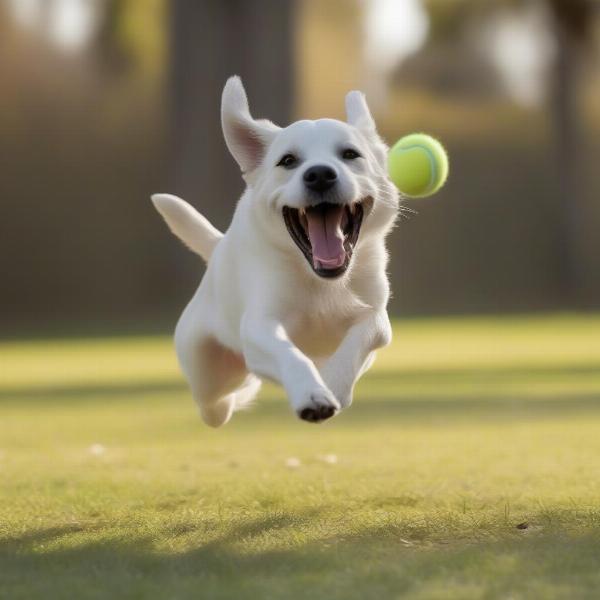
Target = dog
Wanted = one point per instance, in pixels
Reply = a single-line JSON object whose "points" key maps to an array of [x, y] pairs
{"points": [[296, 289]]}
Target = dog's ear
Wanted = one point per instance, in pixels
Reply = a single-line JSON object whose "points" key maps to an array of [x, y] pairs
{"points": [[246, 138], [358, 113]]}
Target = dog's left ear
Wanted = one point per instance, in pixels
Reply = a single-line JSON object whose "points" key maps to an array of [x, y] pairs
{"points": [[246, 138], [358, 113]]}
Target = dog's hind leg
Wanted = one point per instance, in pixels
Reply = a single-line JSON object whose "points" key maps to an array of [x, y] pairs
{"points": [[217, 377]]}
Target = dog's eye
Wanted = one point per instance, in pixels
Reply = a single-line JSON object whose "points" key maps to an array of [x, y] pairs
{"points": [[288, 161], [350, 154]]}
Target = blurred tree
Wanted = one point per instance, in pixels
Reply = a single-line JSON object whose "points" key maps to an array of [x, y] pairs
{"points": [[209, 41], [572, 20], [131, 37]]}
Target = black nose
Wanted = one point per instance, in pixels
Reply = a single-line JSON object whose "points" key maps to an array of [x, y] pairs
{"points": [[319, 178]]}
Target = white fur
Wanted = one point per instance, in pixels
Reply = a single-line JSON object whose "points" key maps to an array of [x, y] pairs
{"points": [[260, 310]]}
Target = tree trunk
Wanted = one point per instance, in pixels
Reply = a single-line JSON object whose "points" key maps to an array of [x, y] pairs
{"points": [[567, 145], [211, 40], [571, 21]]}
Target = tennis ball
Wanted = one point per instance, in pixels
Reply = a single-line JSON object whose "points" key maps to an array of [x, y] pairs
{"points": [[418, 165]]}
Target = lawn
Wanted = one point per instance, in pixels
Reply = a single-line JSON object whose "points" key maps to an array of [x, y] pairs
{"points": [[468, 467]]}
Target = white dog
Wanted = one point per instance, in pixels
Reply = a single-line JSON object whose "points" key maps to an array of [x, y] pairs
{"points": [[296, 290]]}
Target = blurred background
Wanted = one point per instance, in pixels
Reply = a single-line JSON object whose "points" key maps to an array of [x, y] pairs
{"points": [[468, 466], [105, 101]]}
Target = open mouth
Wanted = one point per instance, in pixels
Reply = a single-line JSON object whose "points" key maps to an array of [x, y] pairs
{"points": [[326, 234]]}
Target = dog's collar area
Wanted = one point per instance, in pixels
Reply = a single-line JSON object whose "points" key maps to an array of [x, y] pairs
{"points": [[350, 221]]}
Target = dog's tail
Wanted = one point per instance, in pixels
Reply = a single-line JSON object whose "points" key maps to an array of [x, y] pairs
{"points": [[188, 224]]}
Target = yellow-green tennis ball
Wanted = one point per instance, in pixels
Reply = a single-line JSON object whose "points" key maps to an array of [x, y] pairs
{"points": [[418, 165]]}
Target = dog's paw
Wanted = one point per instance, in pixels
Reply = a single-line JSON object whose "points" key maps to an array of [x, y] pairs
{"points": [[341, 386], [318, 406], [342, 393]]}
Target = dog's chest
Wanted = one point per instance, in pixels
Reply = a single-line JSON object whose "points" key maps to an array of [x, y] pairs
{"points": [[318, 327], [316, 336]]}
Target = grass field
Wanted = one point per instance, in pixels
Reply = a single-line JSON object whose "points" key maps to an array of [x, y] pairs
{"points": [[468, 468]]}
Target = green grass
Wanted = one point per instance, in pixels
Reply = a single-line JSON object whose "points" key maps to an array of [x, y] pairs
{"points": [[464, 429]]}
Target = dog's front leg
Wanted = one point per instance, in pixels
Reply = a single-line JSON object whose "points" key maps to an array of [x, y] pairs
{"points": [[270, 353], [355, 355]]}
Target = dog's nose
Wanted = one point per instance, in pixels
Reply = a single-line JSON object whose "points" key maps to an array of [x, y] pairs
{"points": [[319, 178]]}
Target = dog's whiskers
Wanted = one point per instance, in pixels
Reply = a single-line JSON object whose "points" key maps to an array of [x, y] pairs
{"points": [[405, 212]]}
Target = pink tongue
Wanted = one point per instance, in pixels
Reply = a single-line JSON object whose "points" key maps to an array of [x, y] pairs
{"points": [[326, 237]]}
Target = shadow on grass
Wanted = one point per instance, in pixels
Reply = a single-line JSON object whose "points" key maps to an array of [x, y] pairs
{"points": [[445, 378], [86, 392], [490, 374], [380, 562], [400, 410]]}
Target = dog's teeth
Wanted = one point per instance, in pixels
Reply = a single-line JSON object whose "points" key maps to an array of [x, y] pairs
{"points": [[303, 218]]}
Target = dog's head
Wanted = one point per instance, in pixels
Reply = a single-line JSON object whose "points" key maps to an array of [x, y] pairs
{"points": [[321, 186]]}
